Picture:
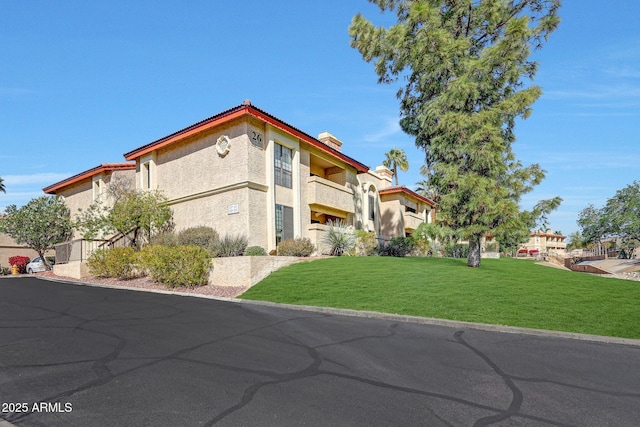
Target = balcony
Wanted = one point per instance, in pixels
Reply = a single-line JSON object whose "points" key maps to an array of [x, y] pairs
{"points": [[412, 220], [326, 194]]}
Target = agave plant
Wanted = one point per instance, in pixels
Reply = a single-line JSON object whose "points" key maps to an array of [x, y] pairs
{"points": [[339, 237]]}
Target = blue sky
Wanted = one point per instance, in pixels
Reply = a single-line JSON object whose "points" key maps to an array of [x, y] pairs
{"points": [[83, 82]]}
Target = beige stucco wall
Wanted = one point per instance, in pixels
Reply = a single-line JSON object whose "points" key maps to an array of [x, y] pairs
{"points": [[391, 218], [80, 195], [194, 166], [9, 248], [77, 196], [218, 211], [246, 271], [74, 269]]}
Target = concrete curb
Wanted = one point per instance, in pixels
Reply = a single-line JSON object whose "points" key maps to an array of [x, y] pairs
{"points": [[4, 423], [385, 316]]}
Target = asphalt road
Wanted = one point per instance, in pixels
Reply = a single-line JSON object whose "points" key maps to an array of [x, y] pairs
{"points": [[84, 356]]}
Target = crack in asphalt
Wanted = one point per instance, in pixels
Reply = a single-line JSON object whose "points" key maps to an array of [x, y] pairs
{"points": [[516, 401], [103, 374]]}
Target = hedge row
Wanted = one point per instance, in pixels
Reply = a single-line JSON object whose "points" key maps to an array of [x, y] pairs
{"points": [[185, 265]]}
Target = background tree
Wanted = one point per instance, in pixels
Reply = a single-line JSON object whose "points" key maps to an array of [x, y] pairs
{"points": [[135, 215], [619, 218], [516, 230], [592, 225], [622, 213], [2, 188], [575, 241], [40, 224], [463, 64], [396, 158]]}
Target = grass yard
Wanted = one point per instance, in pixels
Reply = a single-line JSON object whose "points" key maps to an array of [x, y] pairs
{"points": [[502, 292]]}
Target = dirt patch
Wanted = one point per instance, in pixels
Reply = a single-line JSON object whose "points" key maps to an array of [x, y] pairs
{"points": [[147, 283]]}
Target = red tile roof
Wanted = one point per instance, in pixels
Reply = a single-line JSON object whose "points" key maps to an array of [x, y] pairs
{"points": [[245, 109], [87, 174], [402, 189]]}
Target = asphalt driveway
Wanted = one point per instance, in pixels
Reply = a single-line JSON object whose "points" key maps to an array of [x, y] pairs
{"points": [[75, 355]]}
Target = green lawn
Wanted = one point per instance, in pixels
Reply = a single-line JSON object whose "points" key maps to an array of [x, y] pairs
{"points": [[503, 292]]}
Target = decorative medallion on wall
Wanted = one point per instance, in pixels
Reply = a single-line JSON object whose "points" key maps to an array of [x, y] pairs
{"points": [[223, 145]]}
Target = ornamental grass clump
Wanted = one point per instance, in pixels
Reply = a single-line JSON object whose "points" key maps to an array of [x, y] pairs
{"points": [[186, 265], [339, 238], [230, 245]]}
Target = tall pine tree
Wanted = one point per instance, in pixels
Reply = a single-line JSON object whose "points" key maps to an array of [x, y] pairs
{"points": [[463, 63]]}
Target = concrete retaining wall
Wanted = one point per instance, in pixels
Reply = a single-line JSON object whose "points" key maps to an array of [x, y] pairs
{"points": [[233, 271], [75, 269], [247, 270]]}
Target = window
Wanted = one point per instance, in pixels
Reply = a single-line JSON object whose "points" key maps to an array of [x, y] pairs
{"points": [[372, 207], [282, 165], [284, 223], [146, 175], [409, 209], [97, 190]]}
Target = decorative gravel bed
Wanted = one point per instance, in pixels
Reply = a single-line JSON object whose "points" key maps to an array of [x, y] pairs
{"points": [[147, 283]]}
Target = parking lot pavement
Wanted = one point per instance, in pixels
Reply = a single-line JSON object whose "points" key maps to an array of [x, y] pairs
{"points": [[78, 355]]}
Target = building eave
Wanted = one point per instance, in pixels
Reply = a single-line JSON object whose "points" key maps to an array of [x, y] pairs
{"points": [[234, 113], [105, 167], [402, 189]]}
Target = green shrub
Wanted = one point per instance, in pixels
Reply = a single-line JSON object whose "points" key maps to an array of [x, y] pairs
{"points": [[296, 247], [186, 265], [421, 247], [366, 243], [167, 238], [115, 262], [339, 238], [455, 250], [397, 246], [230, 245], [491, 247], [255, 251], [205, 237]]}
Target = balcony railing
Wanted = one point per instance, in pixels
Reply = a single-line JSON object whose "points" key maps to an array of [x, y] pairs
{"points": [[76, 250], [412, 220], [322, 192]]}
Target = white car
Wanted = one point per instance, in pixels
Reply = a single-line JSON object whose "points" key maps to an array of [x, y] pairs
{"points": [[36, 266]]}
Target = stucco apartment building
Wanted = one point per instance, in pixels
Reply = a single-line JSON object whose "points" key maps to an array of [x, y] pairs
{"points": [[546, 242], [245, 171]]}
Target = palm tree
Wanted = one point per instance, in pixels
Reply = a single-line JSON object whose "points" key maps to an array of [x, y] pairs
{"points": [[424, 189], [396, 158], [2, 189]]}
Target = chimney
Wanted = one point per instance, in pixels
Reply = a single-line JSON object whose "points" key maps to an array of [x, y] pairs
{"points": [[384, 173], [330, 140]]}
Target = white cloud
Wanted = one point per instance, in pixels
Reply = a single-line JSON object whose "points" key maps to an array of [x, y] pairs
{"points": [[391, 127], [31, 179]]}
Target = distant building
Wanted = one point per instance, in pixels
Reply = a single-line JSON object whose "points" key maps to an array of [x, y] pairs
{"points": [[9, 248], [545, 242]]}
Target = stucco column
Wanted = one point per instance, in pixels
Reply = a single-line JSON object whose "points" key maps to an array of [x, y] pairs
{"points": [[271, 194]]}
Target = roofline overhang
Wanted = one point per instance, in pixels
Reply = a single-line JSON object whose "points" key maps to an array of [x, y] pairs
{"points": [[105, 167], [236, 113], [407, 191]]}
